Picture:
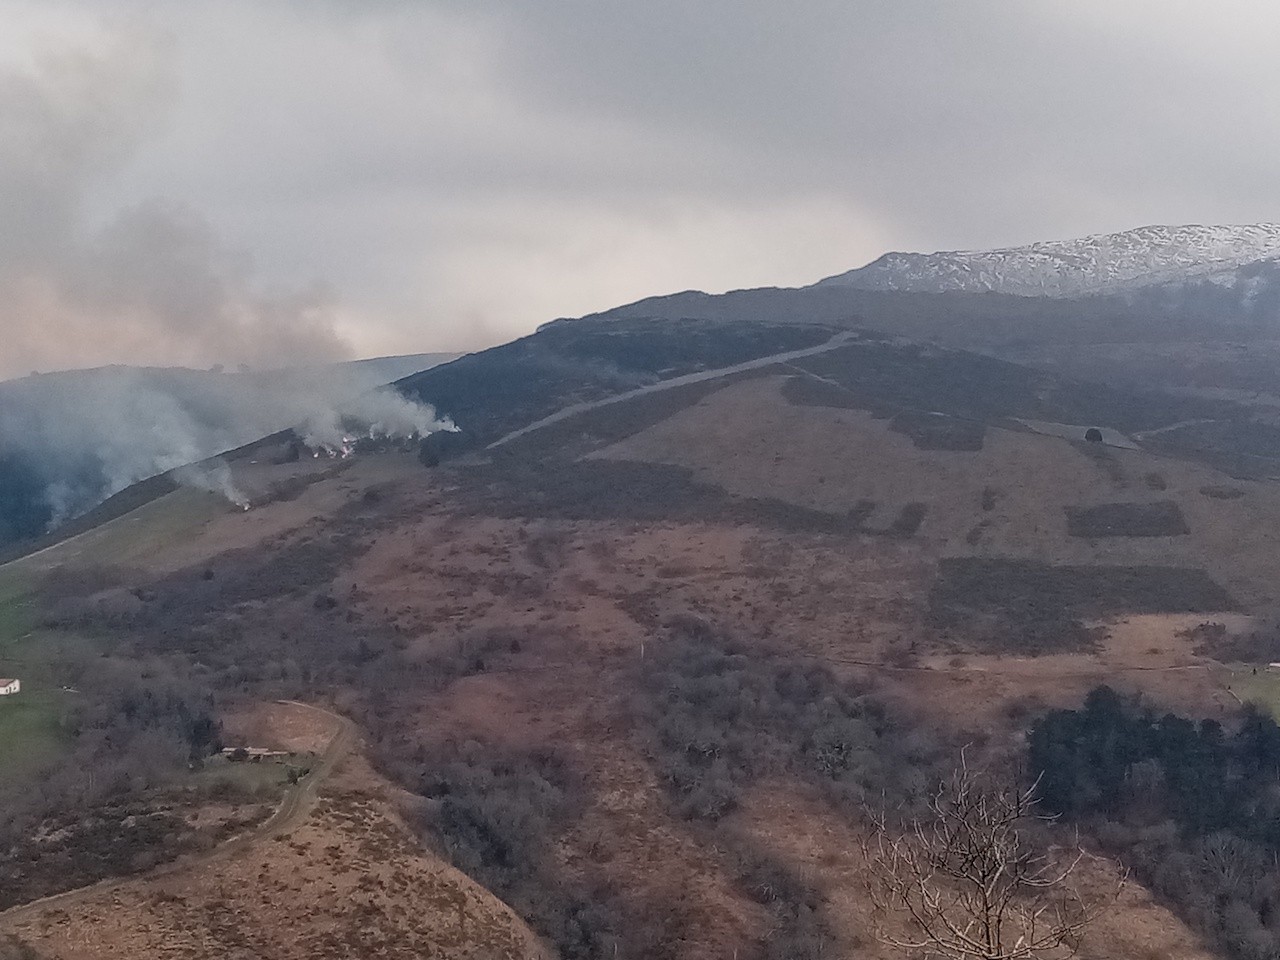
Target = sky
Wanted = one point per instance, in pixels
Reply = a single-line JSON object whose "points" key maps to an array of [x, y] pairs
{"points": [[264, 182]]}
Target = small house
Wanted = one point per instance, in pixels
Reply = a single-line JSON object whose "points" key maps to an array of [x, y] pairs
{"points": [[9, 687], [253, 754]]}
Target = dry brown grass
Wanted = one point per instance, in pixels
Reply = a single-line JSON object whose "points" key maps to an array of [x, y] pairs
{"points": [[563, 611], [351, 882], [590, 596], [750, 441]]}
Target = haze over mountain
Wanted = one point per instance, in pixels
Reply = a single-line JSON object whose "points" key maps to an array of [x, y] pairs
{"points": [[74, 434]]}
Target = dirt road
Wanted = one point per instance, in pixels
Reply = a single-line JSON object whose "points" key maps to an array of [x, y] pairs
{"points": [[839, 340], [293, 809]]}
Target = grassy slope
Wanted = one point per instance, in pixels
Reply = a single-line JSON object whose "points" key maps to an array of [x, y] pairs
{"points": [[129, 539], [30, 734], [30, 722], [1261, 688], [30, 730], [17, 613]]}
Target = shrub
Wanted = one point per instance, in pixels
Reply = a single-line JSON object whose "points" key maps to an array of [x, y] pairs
{"points": [[1190, 805], [1221, 493], [1161, 519], [1034, 607], [937, 431], [907, 522]]}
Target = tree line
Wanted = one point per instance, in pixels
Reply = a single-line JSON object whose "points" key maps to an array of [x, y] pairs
{"points": [[1192, 806]]}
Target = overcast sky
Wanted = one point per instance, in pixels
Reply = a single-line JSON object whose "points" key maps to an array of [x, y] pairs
{"points": [[200, 181]]}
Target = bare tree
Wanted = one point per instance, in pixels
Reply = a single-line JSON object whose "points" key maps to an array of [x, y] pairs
{"points": [[969, 883]]}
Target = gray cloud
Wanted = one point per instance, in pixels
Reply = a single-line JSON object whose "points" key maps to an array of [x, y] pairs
{"points": [[462, 171]]}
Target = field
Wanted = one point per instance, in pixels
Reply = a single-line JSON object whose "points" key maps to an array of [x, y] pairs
{"points": [[30, 735], [1009, 499], [1256, 685], [31, 738], [17, 611], [133, 538]]}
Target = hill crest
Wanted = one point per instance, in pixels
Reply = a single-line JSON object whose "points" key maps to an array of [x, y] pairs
{"points": [[1100, 263]]}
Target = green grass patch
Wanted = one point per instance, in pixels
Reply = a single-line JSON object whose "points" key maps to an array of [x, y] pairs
{"points": [[137, 535], [17, 606], [125, 541], [31, 734], [1262, 689], [17, 618]]}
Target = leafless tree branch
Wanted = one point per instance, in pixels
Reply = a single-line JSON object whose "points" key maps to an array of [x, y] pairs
{"points": [[969, 882]]}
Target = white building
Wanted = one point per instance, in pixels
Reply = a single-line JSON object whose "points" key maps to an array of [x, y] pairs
{"points": [[8, 687]]}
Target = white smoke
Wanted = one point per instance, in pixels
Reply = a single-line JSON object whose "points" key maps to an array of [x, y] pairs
{"points": [[82, 285], [212, 475], [150, 283], [379, 413], [88, 434]]}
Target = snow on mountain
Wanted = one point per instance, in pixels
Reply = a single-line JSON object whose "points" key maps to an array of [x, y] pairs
{"points": [[1103, 263]]}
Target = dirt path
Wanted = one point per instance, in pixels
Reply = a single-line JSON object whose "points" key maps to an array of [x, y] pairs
{"points": [[839, 340], [291, 812], [298, 802], [1143, 434]]}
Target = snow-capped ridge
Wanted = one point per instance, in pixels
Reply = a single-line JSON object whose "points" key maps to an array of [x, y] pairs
{"points": [[1101, 263]]}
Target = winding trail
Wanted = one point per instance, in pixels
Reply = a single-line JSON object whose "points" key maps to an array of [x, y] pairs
{"points": [[296, 804], [839, 340]]}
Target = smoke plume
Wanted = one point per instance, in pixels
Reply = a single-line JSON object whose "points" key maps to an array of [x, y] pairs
{"points": [[150, 285], [147, 285], [69, 440], [377, 413], [212, 475]]}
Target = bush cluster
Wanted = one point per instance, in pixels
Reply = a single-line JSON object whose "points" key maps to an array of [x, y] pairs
{"points": [[1192, 806]]}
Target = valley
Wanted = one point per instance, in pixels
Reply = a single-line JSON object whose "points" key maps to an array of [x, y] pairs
{"points": [[624, 666], [588, 481], [514, 633]]}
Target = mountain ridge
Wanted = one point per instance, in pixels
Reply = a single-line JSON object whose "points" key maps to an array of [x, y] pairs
{"points": [[1099, 263]]}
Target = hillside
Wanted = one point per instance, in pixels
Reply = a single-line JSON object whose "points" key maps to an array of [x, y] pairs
{"points": [[348, 879], [638, 671], [1205, 322]]}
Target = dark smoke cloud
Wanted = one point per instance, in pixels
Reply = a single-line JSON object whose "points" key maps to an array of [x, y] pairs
{"points": [[144, 285]]}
